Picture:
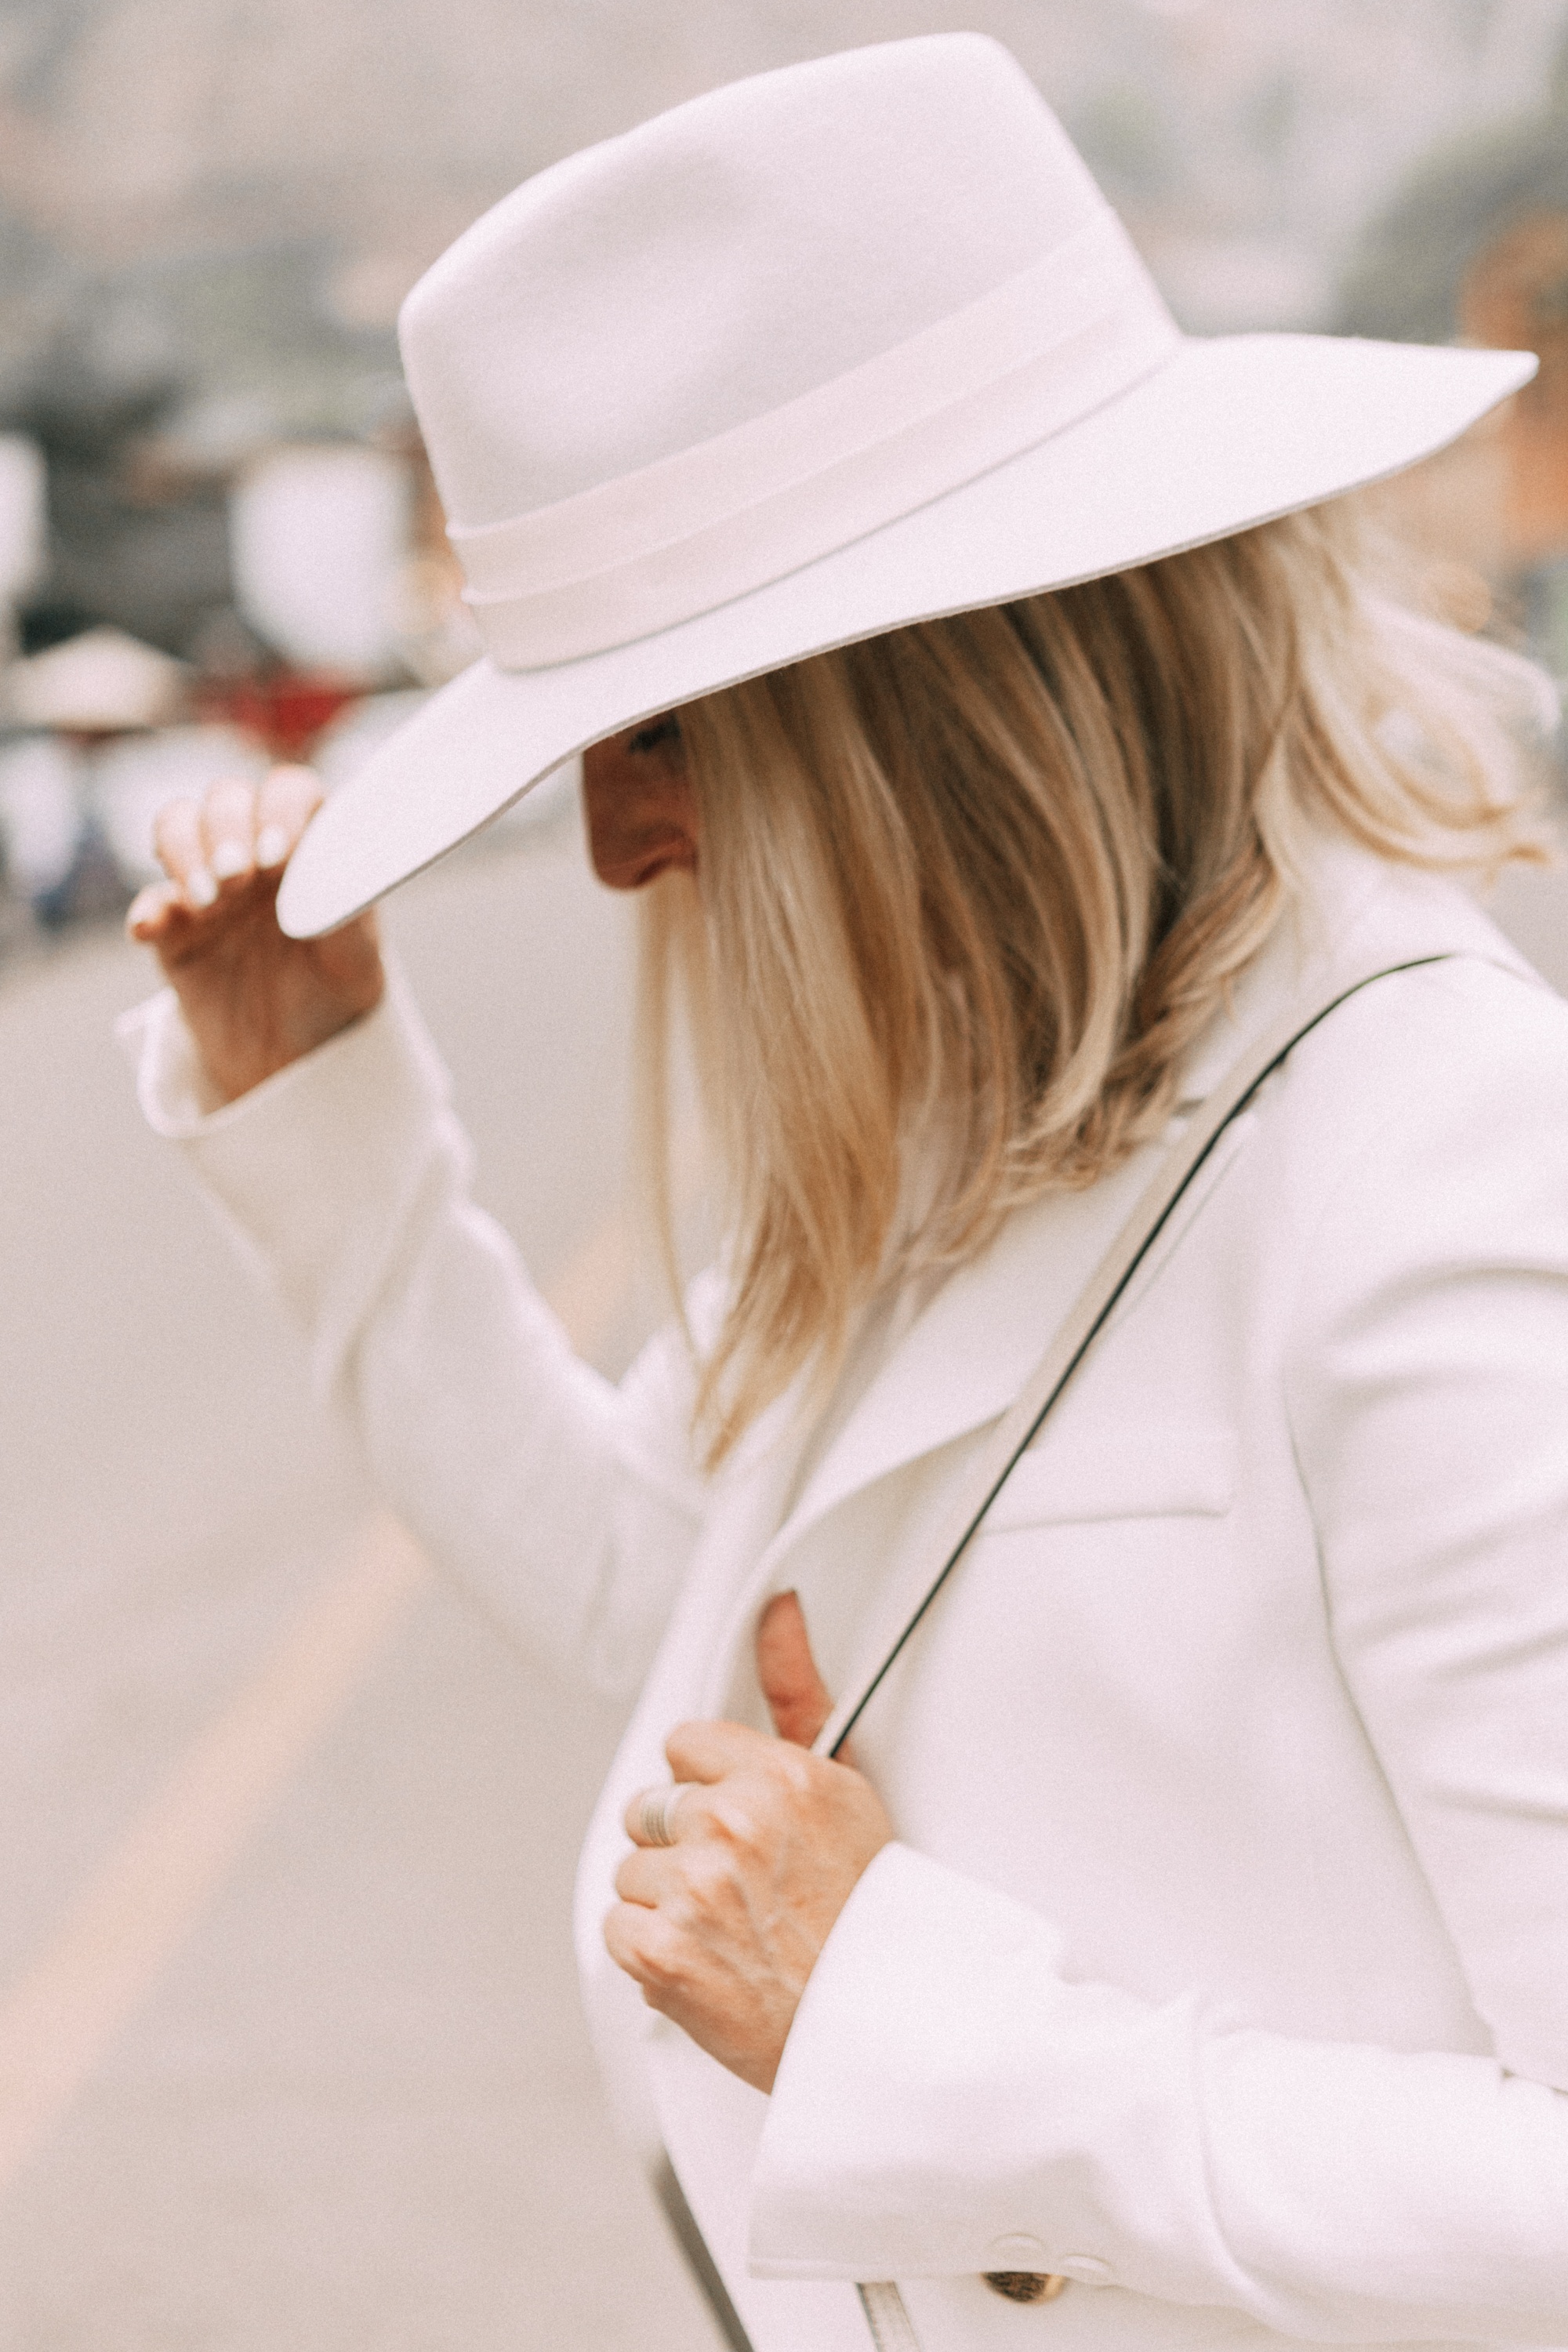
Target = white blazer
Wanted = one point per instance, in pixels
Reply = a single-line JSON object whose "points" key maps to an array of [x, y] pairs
{"points": [[1222, 1962]]}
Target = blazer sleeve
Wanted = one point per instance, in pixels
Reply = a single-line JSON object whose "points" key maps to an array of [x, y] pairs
{"points": [[948, 2087], [566, 1505]]}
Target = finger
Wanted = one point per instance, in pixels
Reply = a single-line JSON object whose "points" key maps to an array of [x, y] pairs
{"points": [[182, 853], [287, 802], [228, 829], [707, 1751], [644, 1877], [147, 916], [642, 1943], [653, 1816], [798, 1699]]}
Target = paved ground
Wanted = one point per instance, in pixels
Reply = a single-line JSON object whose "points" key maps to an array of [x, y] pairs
{"points": [[290, 2056], [352, 2109]]}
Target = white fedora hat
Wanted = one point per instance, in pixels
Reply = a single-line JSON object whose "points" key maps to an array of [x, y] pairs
{"points": [[829, 351]]}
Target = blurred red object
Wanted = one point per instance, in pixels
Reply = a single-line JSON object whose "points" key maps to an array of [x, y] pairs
{"points": [[286, 709], [1515, 297]]}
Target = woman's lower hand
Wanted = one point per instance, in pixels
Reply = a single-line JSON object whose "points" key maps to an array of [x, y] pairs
{"points": [[722, 1926], [253, 999]]}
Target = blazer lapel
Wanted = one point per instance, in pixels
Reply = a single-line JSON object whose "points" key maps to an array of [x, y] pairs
{"points": [[966, 1356]]}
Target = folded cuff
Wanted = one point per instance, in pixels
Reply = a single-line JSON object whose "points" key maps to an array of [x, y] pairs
{"points": [[316, 1171], [948, 2104]]}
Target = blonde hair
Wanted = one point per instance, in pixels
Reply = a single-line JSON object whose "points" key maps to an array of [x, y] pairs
{"points": [[973, 889]]}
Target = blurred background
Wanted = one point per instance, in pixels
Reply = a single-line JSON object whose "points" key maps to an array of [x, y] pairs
{"points": [[288, 2047], [218, 538]]}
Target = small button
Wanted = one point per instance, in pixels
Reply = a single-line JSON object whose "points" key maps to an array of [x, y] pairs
{"points": [[1018, 2267], [1026, 2286], [1017, 2251]]}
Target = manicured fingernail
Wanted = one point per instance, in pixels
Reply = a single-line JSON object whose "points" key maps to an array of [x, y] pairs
{"points": [[142, 908], [271, 846], [229, 859], [200, 889]]}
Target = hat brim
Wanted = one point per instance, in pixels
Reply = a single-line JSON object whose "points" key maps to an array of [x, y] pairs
{"points": [[1228, 434]]}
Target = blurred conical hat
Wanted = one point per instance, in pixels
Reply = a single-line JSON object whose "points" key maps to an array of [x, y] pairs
{"points": [[99, 683]]}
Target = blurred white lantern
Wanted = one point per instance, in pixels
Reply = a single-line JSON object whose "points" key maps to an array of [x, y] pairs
{"points": [[23, 512], [41, 813], [318, 535]]}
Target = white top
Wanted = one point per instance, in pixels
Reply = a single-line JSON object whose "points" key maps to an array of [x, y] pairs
{"points": [[1222, 1962]]}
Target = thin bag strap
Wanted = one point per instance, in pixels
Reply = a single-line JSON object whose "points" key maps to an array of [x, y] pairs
{"points": [[933, 1563]]}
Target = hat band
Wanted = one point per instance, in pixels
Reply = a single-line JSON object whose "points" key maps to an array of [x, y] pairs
{"points": [[1035, 355]]}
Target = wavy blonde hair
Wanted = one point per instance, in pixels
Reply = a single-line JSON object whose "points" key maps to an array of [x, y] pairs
{"points": [[985, 880]]}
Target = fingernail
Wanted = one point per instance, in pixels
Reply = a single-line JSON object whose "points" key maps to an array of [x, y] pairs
{"points": [[229, 859], [141, 909], [271, 846], [200, 889]]}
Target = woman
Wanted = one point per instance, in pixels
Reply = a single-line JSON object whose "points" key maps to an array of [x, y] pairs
{"points": [[1189, 1921]]}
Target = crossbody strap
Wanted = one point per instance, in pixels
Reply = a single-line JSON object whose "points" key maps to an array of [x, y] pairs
{"points": [[927, 1568]]}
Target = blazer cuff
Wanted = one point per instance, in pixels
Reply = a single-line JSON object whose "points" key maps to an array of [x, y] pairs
{"points": [[317, 1172], [947, 2103]]}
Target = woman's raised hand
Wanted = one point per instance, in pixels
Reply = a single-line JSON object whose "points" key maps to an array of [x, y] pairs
{"points": [[254, 999]]}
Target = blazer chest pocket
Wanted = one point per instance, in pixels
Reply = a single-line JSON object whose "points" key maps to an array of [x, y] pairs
{"points": [[1169, 1470]]}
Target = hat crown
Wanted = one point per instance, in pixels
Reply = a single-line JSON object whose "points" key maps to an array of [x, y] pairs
{"points": [[830, 352], [654, 291]]}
